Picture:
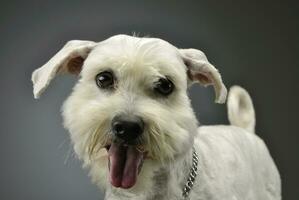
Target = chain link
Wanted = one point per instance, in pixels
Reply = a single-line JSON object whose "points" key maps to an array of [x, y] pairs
{"points": [[192, 175]]}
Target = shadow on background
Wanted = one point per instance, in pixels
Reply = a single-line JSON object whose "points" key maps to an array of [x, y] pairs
{"points": [[252, 44]]}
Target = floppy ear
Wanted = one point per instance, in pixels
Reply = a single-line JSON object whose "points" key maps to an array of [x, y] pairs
{"points": [[202, 71], [68, 60]]}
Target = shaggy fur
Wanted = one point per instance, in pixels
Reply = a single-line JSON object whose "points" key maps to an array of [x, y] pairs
{"points": [[233, 162]]}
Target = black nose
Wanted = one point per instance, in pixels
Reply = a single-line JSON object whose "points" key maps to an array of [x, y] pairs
{"points": [[127, 128]]}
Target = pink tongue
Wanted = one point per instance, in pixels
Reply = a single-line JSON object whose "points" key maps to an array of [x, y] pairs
{"points": [[124, 164]]}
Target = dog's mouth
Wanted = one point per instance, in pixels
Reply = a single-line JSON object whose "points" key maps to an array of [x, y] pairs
{"points": [[125, 163]]}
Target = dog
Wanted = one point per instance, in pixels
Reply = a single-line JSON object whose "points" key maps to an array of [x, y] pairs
{"points": [[132, 125]]}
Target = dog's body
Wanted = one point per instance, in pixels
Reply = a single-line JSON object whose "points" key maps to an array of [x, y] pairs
{"points": [[131, 123]]}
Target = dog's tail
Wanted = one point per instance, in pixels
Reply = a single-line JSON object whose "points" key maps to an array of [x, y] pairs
{"points": [[240, 109]]}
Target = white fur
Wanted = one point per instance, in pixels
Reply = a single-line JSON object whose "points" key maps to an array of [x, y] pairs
{"points": [[240, 109], [233, 163], [42, 77]]}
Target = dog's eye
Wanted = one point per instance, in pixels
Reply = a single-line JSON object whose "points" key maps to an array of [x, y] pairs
{"points": [[105, 80], [164, 86]]}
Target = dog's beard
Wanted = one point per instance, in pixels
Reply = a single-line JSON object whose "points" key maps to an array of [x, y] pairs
{"points": [[125, 160]]}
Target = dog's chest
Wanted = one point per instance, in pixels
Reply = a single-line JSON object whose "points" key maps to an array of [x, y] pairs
{"points": [[163, 187]]}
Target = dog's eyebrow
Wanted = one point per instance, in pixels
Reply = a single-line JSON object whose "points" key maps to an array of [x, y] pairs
{"points": [[170, 78], [163, 77]]}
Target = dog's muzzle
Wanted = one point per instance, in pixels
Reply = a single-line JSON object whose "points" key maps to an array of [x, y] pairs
{"points": [[127, 128]]}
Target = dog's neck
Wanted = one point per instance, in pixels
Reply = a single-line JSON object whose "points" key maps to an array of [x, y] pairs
{"points": [[171, 180]]}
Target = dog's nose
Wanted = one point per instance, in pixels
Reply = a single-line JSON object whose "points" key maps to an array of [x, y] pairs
{"points": [[127, 128]]}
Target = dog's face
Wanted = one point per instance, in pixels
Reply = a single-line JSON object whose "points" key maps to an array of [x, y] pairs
{"points": [[130, 104]]}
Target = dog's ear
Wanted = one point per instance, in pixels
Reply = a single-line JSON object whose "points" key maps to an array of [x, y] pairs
{"points": [[68, 60], [200, 70]]}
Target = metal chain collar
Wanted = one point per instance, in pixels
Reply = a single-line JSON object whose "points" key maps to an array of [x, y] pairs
{"points": [[192, 175]]}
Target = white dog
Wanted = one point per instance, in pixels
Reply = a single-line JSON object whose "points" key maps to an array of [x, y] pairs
{"points": [[132, 125]]}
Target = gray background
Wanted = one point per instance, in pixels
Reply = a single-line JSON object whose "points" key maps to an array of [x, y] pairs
{"points": [[253, 44]]}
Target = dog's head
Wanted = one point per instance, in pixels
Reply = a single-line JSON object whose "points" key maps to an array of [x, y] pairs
{"points": [[130, 101]]}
